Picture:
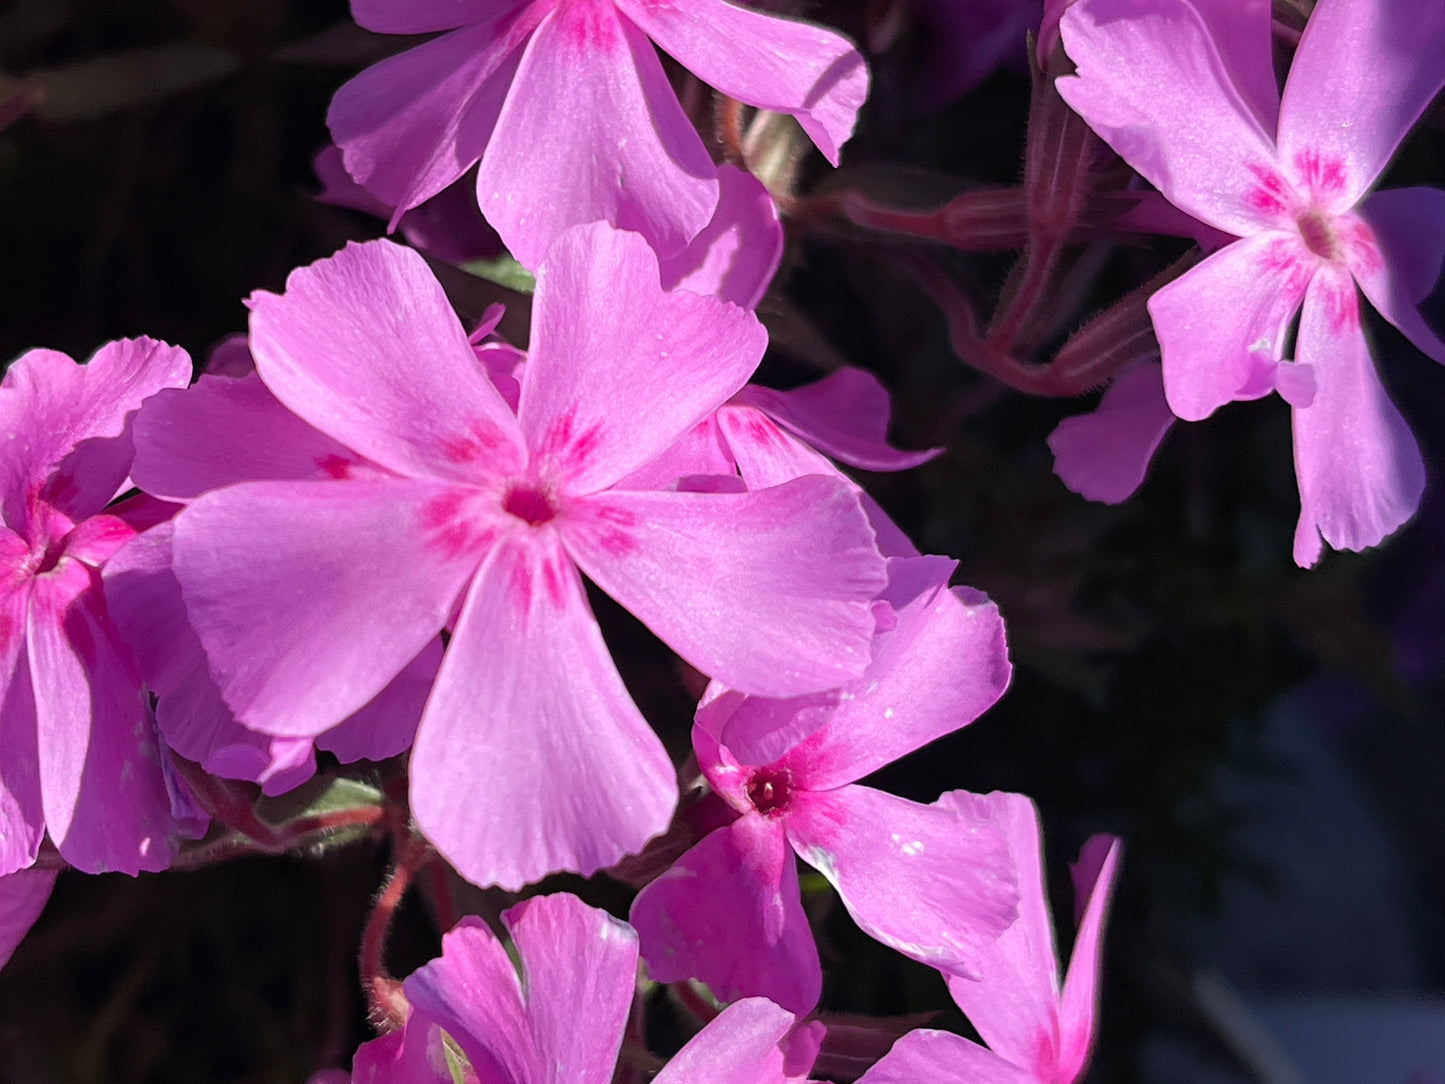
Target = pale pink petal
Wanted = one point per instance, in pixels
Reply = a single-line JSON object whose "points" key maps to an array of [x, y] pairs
{"points": [[738, 252], [1152, 83], [1409, 233], [1014, 1000], [224, 430], [592, 131], [426, 16], [699, 451], [758, 730], [1364, 72], [765, 453], [22, 819], [941, 1057], [386, 725], [780, 64], [102, 784], [68, 426], [739, 1046], [1079, 1005], [1104, 455], [579, 971], [729, 913], [577, 778], [415, 122], [1359, 469], [936, 884], [1241, 32], [617, 369], [310, 596], [942, 666], [1215, 316], [767, 591], [23, 896], [365, 346], [844, 415], [473, 991]]}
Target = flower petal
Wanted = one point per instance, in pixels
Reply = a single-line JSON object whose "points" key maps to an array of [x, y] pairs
{"points": [[1212, 318], [592, 131], [102, 784], [528, 693], [1104, 455], [739, 1046], [942, 666], [23, 896], [766, 454], [1363, 73], [415, 122], [941, 1057], [738, 252], [1359, 469], [365, 347], [784, 65], [722, 580], [1014, 1000], [730, 914], [618, 369], [309, 597], [223, 430], [68, 425], [1409, 234], [386, 724], [1152, 83], [934, 883], [844, 416], [579, 971], [473, 991], [22, 819], [1079, 1005]]}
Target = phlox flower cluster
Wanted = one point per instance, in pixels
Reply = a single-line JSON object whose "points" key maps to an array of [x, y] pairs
{"points": [[371, 530]]}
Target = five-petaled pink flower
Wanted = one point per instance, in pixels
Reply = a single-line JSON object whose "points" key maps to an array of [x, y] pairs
{"points": [[933, 882], [1185, 91], [309, 596], [81, 758], [567, 107]]}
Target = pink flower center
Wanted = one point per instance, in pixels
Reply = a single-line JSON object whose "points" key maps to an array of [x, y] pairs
{"points": [[770, 789], [529, 504], [1319, 235]]}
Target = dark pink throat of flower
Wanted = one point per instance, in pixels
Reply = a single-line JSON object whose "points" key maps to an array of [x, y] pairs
{"points": [[529, 504], [1319, 235], [769, 790]]}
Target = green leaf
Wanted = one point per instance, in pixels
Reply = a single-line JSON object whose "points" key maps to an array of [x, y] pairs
{"points": [[457, 1064], [505, 272]]}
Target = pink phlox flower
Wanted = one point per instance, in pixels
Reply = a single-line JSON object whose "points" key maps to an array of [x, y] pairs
{"points": [[1184, 90], [221, 431], [23, 895], [933, 882], [560, 1021], [1037, 1033], [566, 105], [309, 596], [82, 759]]}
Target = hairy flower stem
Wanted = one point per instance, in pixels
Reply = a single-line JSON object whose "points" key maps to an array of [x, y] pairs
{"points": [[388, 1005]]}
